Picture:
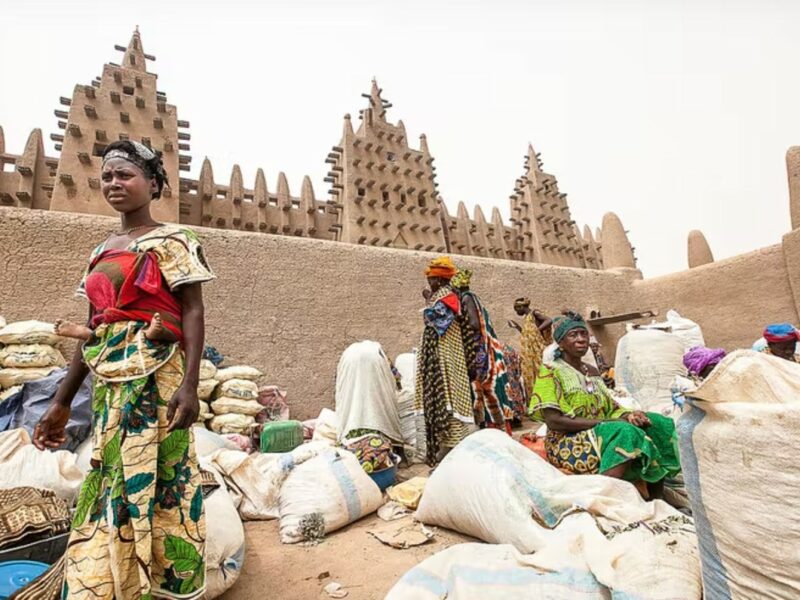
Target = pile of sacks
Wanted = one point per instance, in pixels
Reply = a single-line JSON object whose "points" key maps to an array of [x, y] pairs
{"points": [[28, 353], [205, 388], [235, 400]]}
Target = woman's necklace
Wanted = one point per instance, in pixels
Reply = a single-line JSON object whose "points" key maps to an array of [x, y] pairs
{"points": [[130, 230]]}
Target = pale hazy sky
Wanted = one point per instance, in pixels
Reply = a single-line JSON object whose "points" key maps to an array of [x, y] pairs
{"points": [[674, 115]]}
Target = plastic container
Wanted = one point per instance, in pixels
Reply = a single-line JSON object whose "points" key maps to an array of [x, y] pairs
{"points": [[16, 574], [47, 551], [385, 477], [281, 436]]}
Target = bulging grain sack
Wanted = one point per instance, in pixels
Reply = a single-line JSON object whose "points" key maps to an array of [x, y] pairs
{"points": [[241, 372], [207, 369], [324, 494], [205, 411], [224, 543], [12, 377], [739, 445], [29, 332], [231, 423], [226, 405], [25, 356], [646, 365], [205, 387], [237, 388]]}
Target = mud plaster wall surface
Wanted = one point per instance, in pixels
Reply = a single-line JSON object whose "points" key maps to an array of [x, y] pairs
{"points": [[290, 306], [731, 299]]}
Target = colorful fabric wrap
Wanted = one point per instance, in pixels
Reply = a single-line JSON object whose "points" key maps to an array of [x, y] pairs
{"points": [[781, 332], [128, 286], [441, 267], [141, 158], [461, 280], [563, 324], [441, 314], [651, 453], [700, 357]]}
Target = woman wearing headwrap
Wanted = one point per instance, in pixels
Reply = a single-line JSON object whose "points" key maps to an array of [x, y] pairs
{"points": [[781, 340], [442, 394], [485, 362], [138, 528], [700, 361], [588, 432], [536, 335]]}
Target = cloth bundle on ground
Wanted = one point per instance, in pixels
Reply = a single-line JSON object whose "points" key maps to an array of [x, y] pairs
{"points": [[366, 392], [22, 464], [29, 514], [273, 399], [324, 494], [24, 409], [739, 445], [647, 362], [585, 528], [225, 545]]}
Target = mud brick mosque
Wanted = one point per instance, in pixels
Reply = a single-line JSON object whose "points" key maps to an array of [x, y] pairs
{"points": [[303, 297]]}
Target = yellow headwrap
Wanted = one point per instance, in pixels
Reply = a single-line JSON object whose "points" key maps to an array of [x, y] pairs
{"points": [[441, 267]]}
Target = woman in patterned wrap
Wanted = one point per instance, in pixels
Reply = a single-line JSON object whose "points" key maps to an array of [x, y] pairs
{"points": [[138, 531], [588, 432], [442, 395]]}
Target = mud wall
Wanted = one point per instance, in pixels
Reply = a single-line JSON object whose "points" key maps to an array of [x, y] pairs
{"points": [[290, 306], [731, 299]]}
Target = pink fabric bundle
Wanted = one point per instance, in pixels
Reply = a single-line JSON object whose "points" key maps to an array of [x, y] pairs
{"points": [[242, 441], [273, 400]]}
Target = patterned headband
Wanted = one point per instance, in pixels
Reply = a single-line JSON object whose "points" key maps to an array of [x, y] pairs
{"points": [[141, 157]]}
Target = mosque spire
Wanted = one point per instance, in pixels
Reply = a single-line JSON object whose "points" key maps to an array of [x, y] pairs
{"points": [[135, 58]]}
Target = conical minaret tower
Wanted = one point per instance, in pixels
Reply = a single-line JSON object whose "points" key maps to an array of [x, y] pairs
{"points": [[122, 104], [384, 191]]}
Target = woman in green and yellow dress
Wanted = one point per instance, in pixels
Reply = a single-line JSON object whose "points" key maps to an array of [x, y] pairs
{"points": [[588, 432], [138, 531]]}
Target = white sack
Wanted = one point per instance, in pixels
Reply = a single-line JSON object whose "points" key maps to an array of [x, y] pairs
{"points": [[366, 392], [207, 442], [29, 332], [11, 377], [22, 464], [205, 387], [687, 330], [207, 369], [237, 388], [224, 543], [241, 372], [406, 364], [225, 405], [326, 427], [495, 489], [739, 445], [24, 356], [647, 362], [231, 423], [256, 479], [332, 485]]}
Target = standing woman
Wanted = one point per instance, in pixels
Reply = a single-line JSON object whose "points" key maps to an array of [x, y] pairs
{"points": [[536, 334], [138, 529]]}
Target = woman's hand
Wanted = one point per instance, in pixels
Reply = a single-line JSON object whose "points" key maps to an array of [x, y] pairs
{"points": [[514, 325], [183, 409], [637, 418], [50, 431]]}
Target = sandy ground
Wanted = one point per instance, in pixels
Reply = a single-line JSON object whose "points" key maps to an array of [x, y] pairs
{"points": [[352, 557]]}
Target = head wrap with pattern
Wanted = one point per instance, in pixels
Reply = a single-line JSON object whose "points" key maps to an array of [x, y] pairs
{"points": [[461, 279], [563, 324], [441, 267]]}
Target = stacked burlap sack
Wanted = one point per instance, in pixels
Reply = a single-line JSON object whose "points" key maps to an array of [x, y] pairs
{"points": [[28, 352], [205, 388], [235, 400]]}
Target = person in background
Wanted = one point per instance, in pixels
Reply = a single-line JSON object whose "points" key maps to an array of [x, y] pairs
{"points": [[606, 371], [138, 530], [700, 361], [782, 340], [588, 432], [442, 392], [485, 365], [536, 336], [515, 389]]}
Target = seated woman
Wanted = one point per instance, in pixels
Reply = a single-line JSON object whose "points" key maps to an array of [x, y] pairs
{"points": [[366, 406], [588, 432], [782, 340], [700, 361]]}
